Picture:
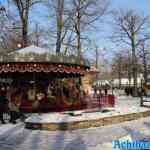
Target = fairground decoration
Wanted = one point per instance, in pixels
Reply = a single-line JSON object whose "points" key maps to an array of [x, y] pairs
{"points": [[41, 67], [58, 89]]}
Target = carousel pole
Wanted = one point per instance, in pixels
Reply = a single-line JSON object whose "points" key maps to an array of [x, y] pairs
{"points": [[34, 90], [34, 79]]}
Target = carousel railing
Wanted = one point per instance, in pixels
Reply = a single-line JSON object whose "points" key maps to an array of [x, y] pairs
{"points": [[61, 103], [46, 57], [100, 101]]}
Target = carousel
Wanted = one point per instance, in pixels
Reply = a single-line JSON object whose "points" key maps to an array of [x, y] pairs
{"points": [[41, 82]]}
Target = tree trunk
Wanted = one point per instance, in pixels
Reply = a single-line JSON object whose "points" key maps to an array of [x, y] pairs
{"points": [[144, 65], [78, 45], [24, 33], [129, 73], [78, 34], [36, 35], [129, 77], [58, 42], [134, 65], [96, 62], [119, 74], [60, 10], [145, 71], [24, 19]]}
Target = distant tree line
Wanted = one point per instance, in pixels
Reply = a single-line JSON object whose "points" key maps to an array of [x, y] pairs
{"points": [[131, 29]]}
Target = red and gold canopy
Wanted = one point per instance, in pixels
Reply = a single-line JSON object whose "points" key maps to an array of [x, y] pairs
{"points": [[42, 67], [26, 61]]}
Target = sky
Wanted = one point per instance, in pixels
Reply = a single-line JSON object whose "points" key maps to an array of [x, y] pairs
{"points": [[139, 5], [103, 30], [106, 30]]}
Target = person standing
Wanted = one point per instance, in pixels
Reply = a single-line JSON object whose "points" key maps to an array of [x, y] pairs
{"points": [[3, 104], [106, 91], [14, 106], [14, 111]]}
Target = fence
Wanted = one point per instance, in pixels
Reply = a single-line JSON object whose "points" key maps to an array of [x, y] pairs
{"points": [[100, 101], [86, 102]]}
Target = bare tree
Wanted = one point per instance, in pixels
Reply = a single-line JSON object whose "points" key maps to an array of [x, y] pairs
{"points": [[117, 70], [128, 66], [96, 56], [145, 69], [122, 66], [83, 14], [59, 25], [70, 18], [60, 12], [131, 29], [144, 55], [23, 7], [9, 36], [35, 35]]}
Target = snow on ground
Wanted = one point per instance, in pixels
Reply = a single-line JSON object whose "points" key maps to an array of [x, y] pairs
{"points": [[128, 104], [15, 137], [4, 128], [124, 105]]}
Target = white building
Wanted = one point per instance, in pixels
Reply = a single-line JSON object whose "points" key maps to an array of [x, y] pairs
{"points": [[115, 82]]}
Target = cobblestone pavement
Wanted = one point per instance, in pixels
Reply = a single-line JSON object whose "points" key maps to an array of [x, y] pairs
{"points": [[15, 137]]}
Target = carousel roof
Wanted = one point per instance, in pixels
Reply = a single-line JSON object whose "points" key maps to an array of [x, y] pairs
{"points": [[37, 54], [36, 59], [33, 49]]}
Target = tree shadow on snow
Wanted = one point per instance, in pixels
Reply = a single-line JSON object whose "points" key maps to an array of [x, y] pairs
{"points": [[60, 136], [35, 140], [147, 124], [76, 144], [135, 135], [14, 138], [61, 141]]}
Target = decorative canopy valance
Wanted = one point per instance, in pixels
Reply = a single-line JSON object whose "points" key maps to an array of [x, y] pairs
{"points": [[41, 67], [36, 59]]}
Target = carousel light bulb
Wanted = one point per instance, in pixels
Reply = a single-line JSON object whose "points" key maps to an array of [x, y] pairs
{"points": [[19, 45]]}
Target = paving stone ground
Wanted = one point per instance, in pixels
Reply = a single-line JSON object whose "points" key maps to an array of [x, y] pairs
{"points": [[16, 137]]}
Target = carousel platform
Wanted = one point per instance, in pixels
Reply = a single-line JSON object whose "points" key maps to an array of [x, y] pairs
{"points": [[72, 120]]}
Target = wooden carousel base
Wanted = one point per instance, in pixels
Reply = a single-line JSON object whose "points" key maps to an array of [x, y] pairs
{"points": [[103, 121]]}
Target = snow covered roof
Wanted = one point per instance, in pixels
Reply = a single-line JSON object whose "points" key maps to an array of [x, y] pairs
{"points": [[33, 49], [36, 54]]}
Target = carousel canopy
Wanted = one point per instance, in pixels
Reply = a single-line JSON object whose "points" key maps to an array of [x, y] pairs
{"points": [[36, 59]]}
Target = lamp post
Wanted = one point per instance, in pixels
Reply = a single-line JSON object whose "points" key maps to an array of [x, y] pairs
{"points": [[112, 86], [141, 91]]}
